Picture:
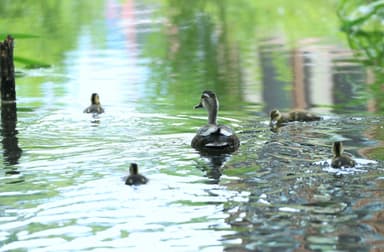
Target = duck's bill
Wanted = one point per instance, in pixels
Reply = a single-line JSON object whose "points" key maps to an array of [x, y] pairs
{"points": [[200, 105]]}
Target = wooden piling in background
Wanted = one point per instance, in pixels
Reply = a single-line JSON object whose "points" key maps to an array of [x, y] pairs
{"points": [[7, 70], [12, 151]]}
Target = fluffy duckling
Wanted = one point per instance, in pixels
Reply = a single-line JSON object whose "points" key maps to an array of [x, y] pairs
{"points": [[214, 137], [339, 159], [134, 177], [95, 106], [278, 118]]}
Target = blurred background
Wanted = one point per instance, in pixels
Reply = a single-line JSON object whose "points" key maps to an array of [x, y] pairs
{"points": [[274, 55]]}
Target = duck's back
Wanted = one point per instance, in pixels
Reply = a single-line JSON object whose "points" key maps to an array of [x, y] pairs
{"points": [[303, 116], [342, 161], [94, 109], [136, 179], [215, 137]]}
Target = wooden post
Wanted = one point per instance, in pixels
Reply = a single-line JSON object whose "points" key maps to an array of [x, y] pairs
{"points": [[12, 152], [7, 70]]}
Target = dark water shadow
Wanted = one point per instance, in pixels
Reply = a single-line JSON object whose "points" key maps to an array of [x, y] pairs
{"points": [[213, 165], [11, 150]]}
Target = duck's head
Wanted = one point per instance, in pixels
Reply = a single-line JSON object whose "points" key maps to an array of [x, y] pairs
{"points": [[133, 169], [208, 101], [95, 99], [275, 116], [337, 149]]}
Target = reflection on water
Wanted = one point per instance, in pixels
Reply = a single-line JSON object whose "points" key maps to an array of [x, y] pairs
{"points": [[149, 62], [296, 202], [314, 76], [213, 165], [12, 151], [365, 41]]}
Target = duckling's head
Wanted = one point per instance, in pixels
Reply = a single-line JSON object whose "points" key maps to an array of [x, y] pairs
{"points": [[208, 101], [133, 169], [337, 149], [275, 116], [95, 99]]}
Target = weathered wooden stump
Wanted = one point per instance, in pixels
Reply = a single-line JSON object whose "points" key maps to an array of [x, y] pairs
{"points": [[7, 70], [12, 152]]}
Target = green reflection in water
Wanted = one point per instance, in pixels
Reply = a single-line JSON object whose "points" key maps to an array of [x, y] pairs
{"points": [[202, 44], [43, 29], [213, 45], [362, 24]]}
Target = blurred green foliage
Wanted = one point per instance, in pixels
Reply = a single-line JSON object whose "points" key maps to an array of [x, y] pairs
{"points": [[45, 29], [362, 22], [212, 44]]}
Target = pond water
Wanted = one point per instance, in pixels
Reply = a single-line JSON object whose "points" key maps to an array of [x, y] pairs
{"points": [[61, 179]]}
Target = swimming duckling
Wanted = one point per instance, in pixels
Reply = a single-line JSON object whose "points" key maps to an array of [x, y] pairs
{"points": [[213, 137], [339, 159], [278, 118], [134, 177], [95, 107]]}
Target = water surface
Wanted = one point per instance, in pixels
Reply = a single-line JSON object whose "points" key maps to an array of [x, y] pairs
{"points": [[62, 170]]}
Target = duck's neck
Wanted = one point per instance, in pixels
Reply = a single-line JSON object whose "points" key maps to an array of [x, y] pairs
{"points": [[337, 149], [212, 113], [95, 100]]}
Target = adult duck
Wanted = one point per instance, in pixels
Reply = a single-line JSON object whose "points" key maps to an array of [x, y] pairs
{"points": [[213, 137], [339, 159], [95, 107], [134, 177]]}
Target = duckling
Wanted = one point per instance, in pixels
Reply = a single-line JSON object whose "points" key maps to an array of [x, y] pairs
{"points": [[214, 137], [134, 177], [278, 118], [339, 159], [95, 106]]}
